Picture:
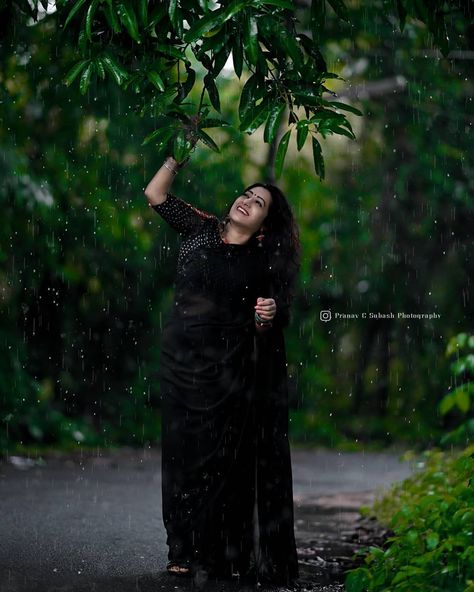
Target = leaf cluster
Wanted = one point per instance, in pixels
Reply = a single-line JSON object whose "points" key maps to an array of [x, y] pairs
{"points": [[461, 397], [159, 50]]}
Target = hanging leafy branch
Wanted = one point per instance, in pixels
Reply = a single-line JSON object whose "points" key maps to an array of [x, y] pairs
{"points": [[146, 46]]}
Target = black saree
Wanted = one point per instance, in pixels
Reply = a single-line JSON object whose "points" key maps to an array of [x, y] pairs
{"points": [[224, 411]]}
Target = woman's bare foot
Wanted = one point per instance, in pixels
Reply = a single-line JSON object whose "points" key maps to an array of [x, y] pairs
{"points": [[177, 569]]}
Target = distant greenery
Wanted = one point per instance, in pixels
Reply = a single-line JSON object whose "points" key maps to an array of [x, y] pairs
{"points": [[432, 517], [87, 268]]}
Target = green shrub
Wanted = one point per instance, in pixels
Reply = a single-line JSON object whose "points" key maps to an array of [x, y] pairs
{"points": [[431, 514], [460, 399]]}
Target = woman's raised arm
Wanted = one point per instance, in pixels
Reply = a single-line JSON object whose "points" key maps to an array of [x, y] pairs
{"points": [[159, 186], [179, 214]]}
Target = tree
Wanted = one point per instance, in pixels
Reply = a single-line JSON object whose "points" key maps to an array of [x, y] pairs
{"points": [[157, 49]]}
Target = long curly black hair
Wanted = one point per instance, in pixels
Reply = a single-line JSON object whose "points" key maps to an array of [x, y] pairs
{"points": [[282, 248]]}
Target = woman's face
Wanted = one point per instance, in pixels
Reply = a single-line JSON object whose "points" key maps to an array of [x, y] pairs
{"points": [[251, 208]]}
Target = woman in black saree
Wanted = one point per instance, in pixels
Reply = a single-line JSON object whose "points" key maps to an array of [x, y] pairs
{"points": [[226, 468]]}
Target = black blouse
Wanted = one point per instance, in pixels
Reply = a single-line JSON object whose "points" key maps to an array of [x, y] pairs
{"points": [[198, 229]]}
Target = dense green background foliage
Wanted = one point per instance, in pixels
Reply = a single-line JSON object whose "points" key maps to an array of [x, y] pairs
{"points": [[86, 268]]}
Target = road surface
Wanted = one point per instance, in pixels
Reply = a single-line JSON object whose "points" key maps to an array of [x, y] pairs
{"points": [[94, 523]]}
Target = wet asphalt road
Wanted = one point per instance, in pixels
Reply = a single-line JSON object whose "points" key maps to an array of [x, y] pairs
{"points": [[94, 523]]}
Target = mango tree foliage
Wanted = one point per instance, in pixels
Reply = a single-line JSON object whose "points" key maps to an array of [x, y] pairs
{"points": [[162, 49]]}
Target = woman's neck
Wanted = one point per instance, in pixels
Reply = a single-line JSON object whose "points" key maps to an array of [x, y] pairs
{"points": [[232, 235]]}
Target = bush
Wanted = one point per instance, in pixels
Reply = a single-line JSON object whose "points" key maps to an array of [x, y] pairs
{"points": [[432, 516]]}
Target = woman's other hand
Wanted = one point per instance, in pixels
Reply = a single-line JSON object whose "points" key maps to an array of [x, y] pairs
{"points": [[266, 308]]}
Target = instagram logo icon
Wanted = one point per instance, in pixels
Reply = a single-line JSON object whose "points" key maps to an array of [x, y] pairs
{"points": [[325, 315]]}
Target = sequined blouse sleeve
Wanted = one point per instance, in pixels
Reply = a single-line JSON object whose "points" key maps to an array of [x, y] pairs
{"points": [[180, 215]]}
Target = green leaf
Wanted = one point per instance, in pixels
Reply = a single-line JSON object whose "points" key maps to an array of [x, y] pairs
{"points": [[118, 73], [340, 9], [213, 19], [160, 132], [262, 67], [160, 101], [306, 91], [238, 55], [85, 79], [143, 12], [74, 11], [330, 75], [186, 87], [301, 135], [276, 34], [317, 63], [111, 17], [279, 3], [456, 343], [220, 59], [273, 122], [446, 403], [251, 39], [172, 10], [172, 52], [156, 79], [317, 19], [357, 580], [432, 540], [327, 115], [90, 17], [281, 153], [462, 399], [212, 91], [74, 72], [207, 140], [82, 41], [342, 106], [179, 146], [402, 14], [177, 21], [156, 16], [343, 132], [99, 66], [202, 56], [255, 116], [205, 123], [177, 112], [135, 81], [129, 20], [318, 158], [249, 96]]}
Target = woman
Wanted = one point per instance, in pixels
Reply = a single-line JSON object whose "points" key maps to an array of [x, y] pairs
{"points": [[226, 469]]}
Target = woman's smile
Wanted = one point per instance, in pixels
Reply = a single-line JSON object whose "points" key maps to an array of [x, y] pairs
{"points": [[241, 208]]}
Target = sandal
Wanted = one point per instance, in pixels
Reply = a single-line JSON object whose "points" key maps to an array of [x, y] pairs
{"points": [[177, 569]]}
